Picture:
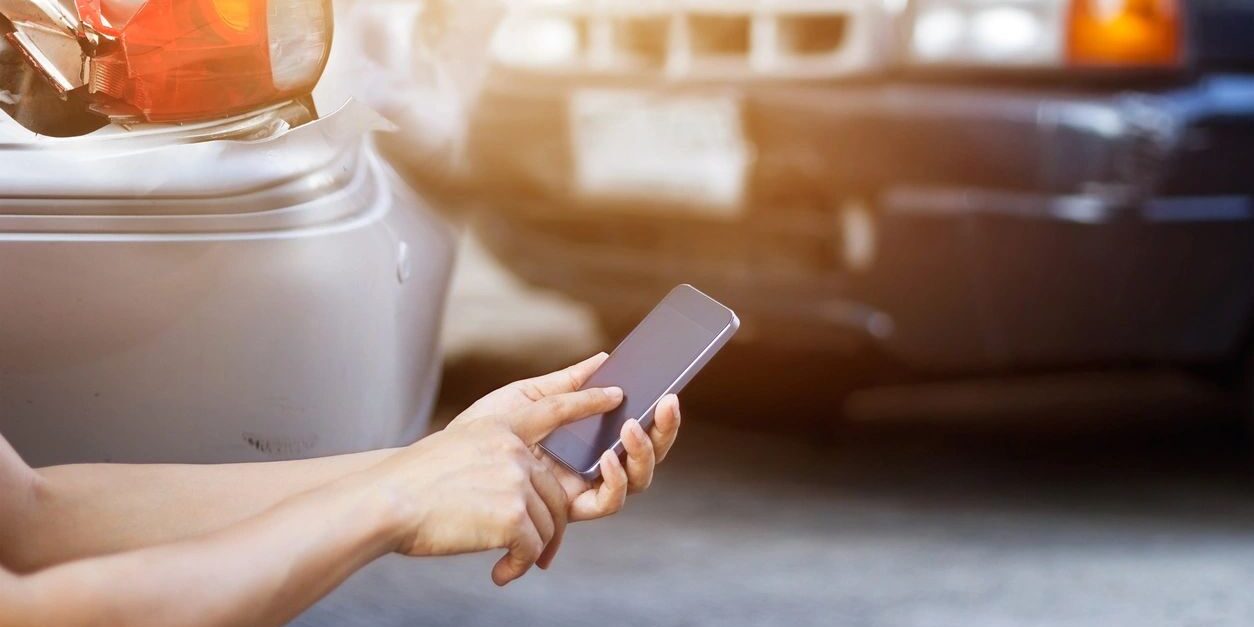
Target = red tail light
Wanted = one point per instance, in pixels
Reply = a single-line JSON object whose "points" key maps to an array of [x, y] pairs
{"points": [[171, 60]]}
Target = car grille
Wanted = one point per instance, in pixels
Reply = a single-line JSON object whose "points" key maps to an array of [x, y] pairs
{"points": [[802, 39]]}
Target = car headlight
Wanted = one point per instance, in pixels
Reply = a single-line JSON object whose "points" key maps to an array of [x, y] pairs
{"points": [[538, 40], [1044, 33]]}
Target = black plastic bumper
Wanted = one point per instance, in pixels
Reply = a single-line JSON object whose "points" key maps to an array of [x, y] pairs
{"points": [[1013, 226]]}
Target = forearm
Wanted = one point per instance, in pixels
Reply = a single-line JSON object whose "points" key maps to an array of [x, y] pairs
{"points": [[85, 510], [262, 571]]}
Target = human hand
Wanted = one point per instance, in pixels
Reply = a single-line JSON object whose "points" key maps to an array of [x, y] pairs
{"points": [[477, 485], [644, 451]]}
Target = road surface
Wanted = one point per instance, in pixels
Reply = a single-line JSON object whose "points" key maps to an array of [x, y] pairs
{"points": [[1073, 515]]}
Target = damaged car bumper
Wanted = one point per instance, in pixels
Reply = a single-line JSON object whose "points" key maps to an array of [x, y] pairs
{"points": [[228, 291]]}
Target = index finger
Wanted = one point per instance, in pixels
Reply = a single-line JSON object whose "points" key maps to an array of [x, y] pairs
{"points": [[567, 379], [532, 423]]}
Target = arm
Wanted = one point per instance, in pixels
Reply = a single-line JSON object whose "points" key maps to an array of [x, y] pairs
{"points": [[261, 571], [473, 486], [80, 510]]}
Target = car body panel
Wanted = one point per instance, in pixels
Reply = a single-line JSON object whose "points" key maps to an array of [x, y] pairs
{"points": [[213, 301]]}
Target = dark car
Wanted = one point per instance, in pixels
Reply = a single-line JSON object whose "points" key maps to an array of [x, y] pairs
{"points": [[960, 186]]}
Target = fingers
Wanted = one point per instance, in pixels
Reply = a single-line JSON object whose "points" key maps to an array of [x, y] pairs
{"points": [[550, 552], [550, 491], [542, 417], [524, 550], [608, 497], [543, 521], [565, 380], [665, 426], [533, 529], [640, 456]]}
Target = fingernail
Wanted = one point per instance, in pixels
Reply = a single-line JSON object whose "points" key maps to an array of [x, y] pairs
{"points": [[637, 431], [615, 393], [675, 401]]}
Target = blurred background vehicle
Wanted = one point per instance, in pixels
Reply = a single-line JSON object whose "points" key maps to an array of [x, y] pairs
{"points": [[947, 187], [196, 266]]}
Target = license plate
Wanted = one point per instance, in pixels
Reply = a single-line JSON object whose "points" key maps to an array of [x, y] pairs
{"points": [[688, 151]]}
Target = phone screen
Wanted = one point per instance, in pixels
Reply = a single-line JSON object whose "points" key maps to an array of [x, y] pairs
{"points": [[656, 355]]}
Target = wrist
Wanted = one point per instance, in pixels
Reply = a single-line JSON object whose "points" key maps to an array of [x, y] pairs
{"points": [[384, 515]]}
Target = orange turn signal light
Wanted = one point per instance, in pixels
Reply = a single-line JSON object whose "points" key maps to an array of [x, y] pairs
{"points": [[1124, 33]]}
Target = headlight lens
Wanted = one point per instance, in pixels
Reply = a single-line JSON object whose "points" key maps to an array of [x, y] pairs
{"points": [[538, 40], [987, 33]]}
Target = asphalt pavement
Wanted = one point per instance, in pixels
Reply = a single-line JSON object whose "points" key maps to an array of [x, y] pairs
{"points": [[1090, 512]]}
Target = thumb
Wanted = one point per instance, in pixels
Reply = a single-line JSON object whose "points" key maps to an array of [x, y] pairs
{"points": [[539, 419]]}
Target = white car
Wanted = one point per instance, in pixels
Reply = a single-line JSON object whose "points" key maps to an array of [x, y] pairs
{"points": [[216, 273]]}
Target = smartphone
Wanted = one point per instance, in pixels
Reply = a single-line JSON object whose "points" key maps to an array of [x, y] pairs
{"points": [[659, 357]]}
